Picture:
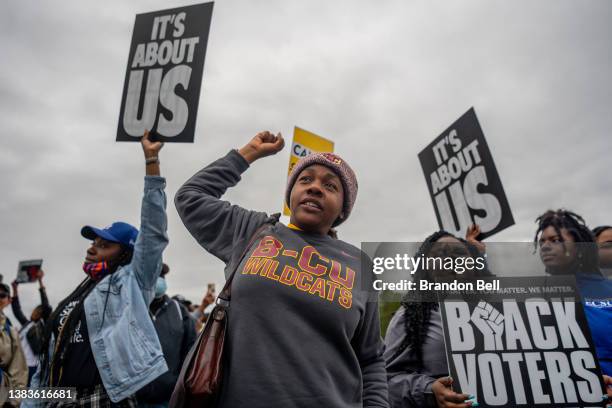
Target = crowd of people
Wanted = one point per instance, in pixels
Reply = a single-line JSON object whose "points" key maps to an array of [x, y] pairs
{"points": [[301, 333], [415, 351]]}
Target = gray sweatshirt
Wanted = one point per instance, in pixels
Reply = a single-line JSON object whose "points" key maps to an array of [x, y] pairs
{"points": [[409, 381], [301, 331]]}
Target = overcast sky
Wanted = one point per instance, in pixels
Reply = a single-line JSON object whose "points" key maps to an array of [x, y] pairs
{"points": [[381, 79]]}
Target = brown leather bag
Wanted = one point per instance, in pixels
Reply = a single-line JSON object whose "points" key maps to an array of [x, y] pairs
{"points": [[199, 382]]}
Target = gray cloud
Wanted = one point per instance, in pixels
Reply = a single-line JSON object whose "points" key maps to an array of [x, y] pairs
{"points": [[380, 79]]}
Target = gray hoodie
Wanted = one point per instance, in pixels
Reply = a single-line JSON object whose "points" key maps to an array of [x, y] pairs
{"points": [[301, 331]]}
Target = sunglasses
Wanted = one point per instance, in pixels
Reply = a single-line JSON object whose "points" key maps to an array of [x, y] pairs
{"points": [[3, 295]]}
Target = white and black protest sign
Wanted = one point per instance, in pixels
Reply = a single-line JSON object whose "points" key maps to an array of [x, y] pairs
{"points": [[529, 346], [164, 74], [463, 181]]}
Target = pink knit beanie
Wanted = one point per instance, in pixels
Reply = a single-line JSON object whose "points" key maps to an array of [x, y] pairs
{"points": [[340, 167]]}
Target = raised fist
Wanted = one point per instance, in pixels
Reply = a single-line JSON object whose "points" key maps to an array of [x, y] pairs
{"points": [[150, 148], [262, 145], [491, 323]]}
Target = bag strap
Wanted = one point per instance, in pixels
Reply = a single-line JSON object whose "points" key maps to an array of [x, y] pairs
{"points": [[178, 309], [225, 295]]}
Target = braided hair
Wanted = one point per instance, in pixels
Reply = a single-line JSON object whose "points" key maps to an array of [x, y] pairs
{"points": [[586, 250], [54, 361], [52, 364], [418, 311]]}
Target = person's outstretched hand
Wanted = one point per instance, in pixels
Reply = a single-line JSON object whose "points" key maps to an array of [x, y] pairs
{"points": [[150, 149], [263, 144], [447, 398], [471, 236], [208, 299], [39, 278], [151, 153]]}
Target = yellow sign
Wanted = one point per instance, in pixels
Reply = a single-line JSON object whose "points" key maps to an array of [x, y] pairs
{"points": [[304, 143]]}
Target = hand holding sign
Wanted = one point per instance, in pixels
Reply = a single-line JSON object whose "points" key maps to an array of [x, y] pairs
{"points": [[446, 397], [149, 147], [471, 236], [262, 145], [151, 151], [490, 322], [208, 299]]}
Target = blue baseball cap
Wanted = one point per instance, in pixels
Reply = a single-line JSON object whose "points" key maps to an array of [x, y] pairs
{"points": [[120, 232]]}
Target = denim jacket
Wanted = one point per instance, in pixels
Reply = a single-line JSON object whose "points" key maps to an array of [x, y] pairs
{"points": [[123, 340]]}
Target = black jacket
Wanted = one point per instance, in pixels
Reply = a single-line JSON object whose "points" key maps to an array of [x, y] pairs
{"points": [[35, 332], [176, 331]]}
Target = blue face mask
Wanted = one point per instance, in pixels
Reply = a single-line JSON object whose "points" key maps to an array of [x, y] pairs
{"points": [[160, 287]]}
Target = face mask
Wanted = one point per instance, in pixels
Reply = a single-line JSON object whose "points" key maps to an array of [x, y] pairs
{"points": [[96, 270], [160, 287]]}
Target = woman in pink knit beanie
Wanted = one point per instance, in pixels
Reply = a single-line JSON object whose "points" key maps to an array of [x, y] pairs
{"points": [[303, 328]]}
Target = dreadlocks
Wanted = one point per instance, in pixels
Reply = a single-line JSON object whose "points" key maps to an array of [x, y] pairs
{"points": [[588, 258], [418, 310], [55, 361], [598, 230]]}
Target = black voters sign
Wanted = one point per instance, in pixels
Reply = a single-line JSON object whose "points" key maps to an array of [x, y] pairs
{"points": [[463, 181], [164, 74], [528, 348]]}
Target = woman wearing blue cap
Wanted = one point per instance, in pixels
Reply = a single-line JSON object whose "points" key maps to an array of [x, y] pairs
{"points": [[100, 338]]}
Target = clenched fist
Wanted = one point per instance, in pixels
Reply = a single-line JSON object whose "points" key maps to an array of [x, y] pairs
{"points": [[262, 145], [150, 149], [491, 323]]}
